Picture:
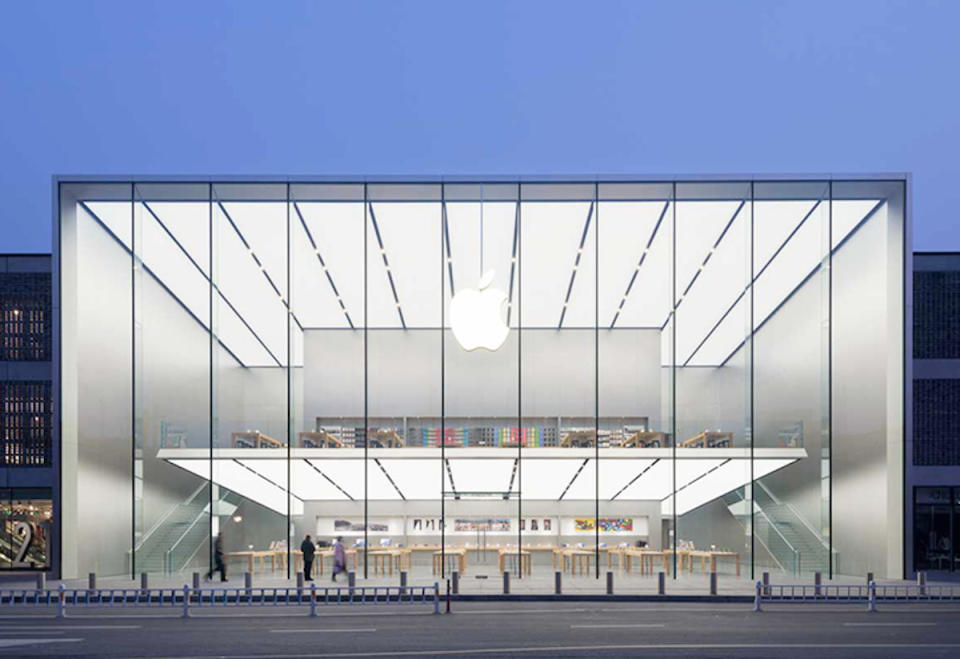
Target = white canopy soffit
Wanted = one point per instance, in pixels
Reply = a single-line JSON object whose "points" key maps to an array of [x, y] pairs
{"points": [[702, 475], [555, 244]]}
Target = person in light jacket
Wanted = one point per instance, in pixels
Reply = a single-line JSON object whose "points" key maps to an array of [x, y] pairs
{"points": [[339, 557]]}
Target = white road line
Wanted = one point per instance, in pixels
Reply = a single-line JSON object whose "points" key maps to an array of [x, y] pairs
{"points": [[889, 624], [356, 630], [615, 626], [72, 627], [14, 642]]}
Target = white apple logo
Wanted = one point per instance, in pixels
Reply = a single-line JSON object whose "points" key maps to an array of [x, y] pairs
{"points": [[476, 318]]}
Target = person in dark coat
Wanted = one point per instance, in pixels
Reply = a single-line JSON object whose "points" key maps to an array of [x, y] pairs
{"points": [[307, 549], [218, 564]]}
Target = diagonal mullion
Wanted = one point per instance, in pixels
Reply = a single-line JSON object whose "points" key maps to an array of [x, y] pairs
{"points": [[513, 260], [323, 264], [576, 265], [386, 265], [643, 257]]}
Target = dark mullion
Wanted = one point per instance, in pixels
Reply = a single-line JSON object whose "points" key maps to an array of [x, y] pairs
{"points": [[596, 369], [289, 424], [753, 554], [673, 376], [366, 374], [518, 257], [444, 239], [210, 373], [133, 382], [830, 379]]}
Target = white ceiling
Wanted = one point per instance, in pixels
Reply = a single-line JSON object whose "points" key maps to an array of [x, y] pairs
{"points": [[701, 475], [329, 267]]}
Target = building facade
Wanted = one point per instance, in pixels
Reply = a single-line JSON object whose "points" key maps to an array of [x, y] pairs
{"points": [[583, 369], [28, 468], [933, 477]]}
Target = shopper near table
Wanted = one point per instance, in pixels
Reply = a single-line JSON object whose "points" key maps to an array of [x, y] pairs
{"points": [[218, 564], [308, 550], [339, 557]]}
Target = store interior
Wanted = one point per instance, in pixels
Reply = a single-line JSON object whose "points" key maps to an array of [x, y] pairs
{"points": [[481, 378]]}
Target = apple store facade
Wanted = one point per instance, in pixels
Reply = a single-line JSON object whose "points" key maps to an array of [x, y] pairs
{"points": [[482, 376]]}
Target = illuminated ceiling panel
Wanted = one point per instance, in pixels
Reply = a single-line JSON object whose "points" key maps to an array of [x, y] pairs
{"points": [[481, 475]]}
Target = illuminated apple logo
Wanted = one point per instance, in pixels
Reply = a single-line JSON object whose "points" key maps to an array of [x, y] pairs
{"points": [[476, 318]]}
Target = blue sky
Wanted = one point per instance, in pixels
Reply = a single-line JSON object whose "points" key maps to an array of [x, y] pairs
{"points": [[484, 87]]}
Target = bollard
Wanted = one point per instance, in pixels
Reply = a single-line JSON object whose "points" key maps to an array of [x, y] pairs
{"points": [[609, 582], [352, 579], [713, 583], [448, 595], [196, 581], [436, 598], [869, 577], [299, 581], [922, 582], [144, 581], [661, 583], [41, 580], [766, 583], [455, 580], [61, 601], [186, 601], [506, 582], [757, 595], [817, 582], [92, 581], [557, 582], [247, 580], [403, 582], [872, 597], [313, 600]]}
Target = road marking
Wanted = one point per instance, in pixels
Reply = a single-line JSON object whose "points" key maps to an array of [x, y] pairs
{"points": [[548, 649], [28, 631], [14, 642], [70, 627], [614, 626], [889, 624], [322, 631]]}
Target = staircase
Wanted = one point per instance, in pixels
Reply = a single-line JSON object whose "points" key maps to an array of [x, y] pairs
{"points": [[792, 543], [151, 552]]}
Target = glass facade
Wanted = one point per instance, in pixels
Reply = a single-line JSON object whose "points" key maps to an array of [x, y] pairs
{"points": [[484, 376]]}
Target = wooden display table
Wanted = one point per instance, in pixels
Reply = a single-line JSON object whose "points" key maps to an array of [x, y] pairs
{"points": [[384, 559], [505, 553], [253, 439], [713, 556], [645, 557], [577, 559], [459, 552], [645, 439], [262, 555], [320, 439], [710, 439]]}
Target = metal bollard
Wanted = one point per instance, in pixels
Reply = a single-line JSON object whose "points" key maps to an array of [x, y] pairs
{"points": [[436, 598], [557, 582], [144, 581], [455, 582], [313, 600], [713, 583], [506, 582], [352, 579], [869, 577], [448, 595], [92, 581], [757, 595], [872, 597], [922, 582], [186, 601], [609, 582], [766, 583], [817, 582], [403, 582], [299, 581], [661, 583], [61, 601], [196, 581], [41, 580]]}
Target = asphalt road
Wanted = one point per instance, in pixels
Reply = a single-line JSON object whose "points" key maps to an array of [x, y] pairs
{"points": [[498, 629]]}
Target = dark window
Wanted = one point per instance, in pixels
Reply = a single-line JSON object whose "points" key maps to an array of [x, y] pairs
{"points": [[936, 513], [936, 422], [936, 315], [25, 316], [25, 423]]}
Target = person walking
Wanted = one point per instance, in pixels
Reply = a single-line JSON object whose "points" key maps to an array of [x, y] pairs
{"points": [[307, 549], [339, 557], [218, 564]]}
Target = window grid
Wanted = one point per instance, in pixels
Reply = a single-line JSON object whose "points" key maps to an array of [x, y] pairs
{"points": [[25, 317], [26, 421]]}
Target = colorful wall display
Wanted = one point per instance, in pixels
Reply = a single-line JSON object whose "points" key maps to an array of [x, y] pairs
{"points": [[606, 524]]}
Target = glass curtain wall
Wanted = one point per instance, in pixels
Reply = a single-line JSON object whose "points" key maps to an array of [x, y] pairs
{"points": [[484, 377]]}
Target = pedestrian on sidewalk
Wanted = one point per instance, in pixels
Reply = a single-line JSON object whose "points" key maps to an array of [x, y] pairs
{"points": [[339, 557], [308, 549]]}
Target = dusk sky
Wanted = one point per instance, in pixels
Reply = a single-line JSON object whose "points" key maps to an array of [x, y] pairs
{"points": [[454, 88]]}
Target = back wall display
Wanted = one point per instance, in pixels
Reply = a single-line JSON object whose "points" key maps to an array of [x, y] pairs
{"points": [[607, 525], [488, 524], [424, 526], [352, 527]]}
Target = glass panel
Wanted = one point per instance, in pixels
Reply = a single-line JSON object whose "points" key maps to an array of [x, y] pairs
{"points": [[481, 370], [250, 379], [96, 228], [712, 470], [172, 404], [404, 362], [327, 469], [557, 438], [867, 377], [635, 233], [791, 325]]}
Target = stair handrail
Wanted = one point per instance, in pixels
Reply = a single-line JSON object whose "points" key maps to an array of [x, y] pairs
{"points": [[169, 552], [771, 524], [164, 517], [796, 513]]}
